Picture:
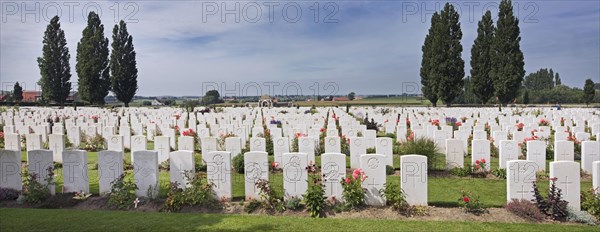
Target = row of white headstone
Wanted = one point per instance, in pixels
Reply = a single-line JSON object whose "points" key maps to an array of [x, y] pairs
{"points": [[413, 169]]}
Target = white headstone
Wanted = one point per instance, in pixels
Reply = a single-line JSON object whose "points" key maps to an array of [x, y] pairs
{"points": [[145, 173], [115, 142], [185, 143], [233, 145], [307, 145], [564, 151], [218, 170], [590, 153], [568, 180], [357, 148], [374, 167], [413, 174], [455, 156], [12, 142], [256, 167], [258, 144], [39, 161], [162, 146], [384, 147], [33, 142], [333, 166], [509, 150], [481, 150], [180, 163], [371, 137], [138, 143], [596, 176], [536, 153], [209, 144], [520, 176], [10, 170], [333, 145], [280, 146], [294, 174], [110, 167], [57, 145], [75, 171]]}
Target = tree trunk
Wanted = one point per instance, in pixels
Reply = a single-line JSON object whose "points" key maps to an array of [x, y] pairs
{"points": [[126, 104]]}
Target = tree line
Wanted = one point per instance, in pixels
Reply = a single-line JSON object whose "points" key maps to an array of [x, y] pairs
{"points": [[97, 74], [497, 63]]}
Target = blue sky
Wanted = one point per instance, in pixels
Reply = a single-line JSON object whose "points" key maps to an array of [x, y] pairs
{"points": [[187, 47]]}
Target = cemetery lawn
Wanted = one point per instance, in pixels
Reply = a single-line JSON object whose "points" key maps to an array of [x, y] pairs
{"points": [[86, 220]]}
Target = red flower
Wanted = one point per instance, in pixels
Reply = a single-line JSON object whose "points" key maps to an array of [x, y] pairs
{"points": [[458, 124], [483, 160], [466, 199], [553, 179], [322, 129], [477, 162], [347, 180]]}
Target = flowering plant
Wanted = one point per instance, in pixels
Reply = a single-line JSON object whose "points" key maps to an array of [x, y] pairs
{"points": [[354, 193], [435, 122], [94, 118], [315, 195], [520, 126], [479, 168], [2, 138], [177, 116], [523, 145], [81, 195], [463, 119], [471, 204], [191, 133], [543, 122]]}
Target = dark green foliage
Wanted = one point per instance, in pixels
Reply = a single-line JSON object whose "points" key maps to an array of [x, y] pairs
{"points": [[17, 93], [481, 63], [7, 194], [351, 96], [293, 203], [123, 68], [525, 209], [122, 193], [55, 70], [428, 84], [272, 200], [92, 62], [449, 67], [421, 146], [238, 163], [590, 201], [588, 92], [462, 172], [395, 197], [34, 191], [542, 79], [389, 170], [558, 94], [211, 97], [507, 58], [526, 97], [557, 80], [315, 195], [499, 173], [371, 125], [199, 192]]}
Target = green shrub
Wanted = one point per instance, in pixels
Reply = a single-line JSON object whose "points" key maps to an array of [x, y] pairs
{"points": [[525, 209], [251, 205], [315, 195], [421, 146], [590, 201], [293, 203], [34, 191], [8, 194], [371, 150], [462, 172], [199, 192], [238, 163], [394, 197], [354, 194], [272, 200], [389, 170], [471, 204], [175, 198], [500, 173], [122, 193]]}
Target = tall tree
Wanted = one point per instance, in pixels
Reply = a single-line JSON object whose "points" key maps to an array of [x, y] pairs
{"points": [[211, 97], [17, 92], [428, 83], [588, 91], [481, 63], [448, 66], [526, 97], [557, 80], [542, 79], [92, 62], [55, 70], [123, 64], [351, 96], [507, 59]]}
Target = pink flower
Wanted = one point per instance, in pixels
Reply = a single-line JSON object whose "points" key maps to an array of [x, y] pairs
{"points": [[347, 180]]}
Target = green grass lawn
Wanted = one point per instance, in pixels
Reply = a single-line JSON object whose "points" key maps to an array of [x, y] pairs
{"points": [[82, 220]]}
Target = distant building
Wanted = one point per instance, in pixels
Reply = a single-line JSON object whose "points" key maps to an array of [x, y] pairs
{"points": [[34, 96], [341, 99], [155, 102]]}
